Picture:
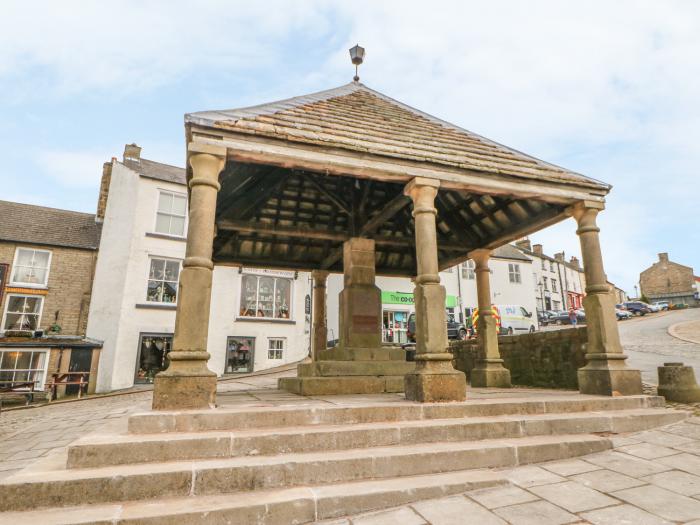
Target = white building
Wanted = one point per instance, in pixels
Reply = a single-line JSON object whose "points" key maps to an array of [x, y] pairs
{"points": [[511, 284], [558, 284], [259, 318]]}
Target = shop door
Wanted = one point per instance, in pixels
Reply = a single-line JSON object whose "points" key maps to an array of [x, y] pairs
{"points": [[395, 326], [153, 356], [80, 360], [240, 353]]}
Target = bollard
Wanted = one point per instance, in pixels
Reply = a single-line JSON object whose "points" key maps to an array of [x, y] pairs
{"points": [[677, 383]]}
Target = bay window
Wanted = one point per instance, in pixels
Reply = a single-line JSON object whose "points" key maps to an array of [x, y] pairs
{"points": [[266, 297], [22, 312], [31, 267]]}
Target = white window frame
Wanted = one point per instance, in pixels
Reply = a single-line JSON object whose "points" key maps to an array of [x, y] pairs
{"points": [[162, 191], [554, 286], [7, 306], [290, 306], [469, 270], [514, 276], [148, 278], [44, 285], [43, 372], [279, 352]]}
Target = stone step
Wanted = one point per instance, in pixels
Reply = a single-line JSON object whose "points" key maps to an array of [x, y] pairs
{"points": [[325, 386], [35, 488], [120, 449], [278, 507], [279, 417], [383, 353], [328, 368]]}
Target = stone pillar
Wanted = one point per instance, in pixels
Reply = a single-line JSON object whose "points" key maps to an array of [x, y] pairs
{"points": [[606, 372], [360, 316], [434, 379], [488, 370], [188, 383], [319, 326]]}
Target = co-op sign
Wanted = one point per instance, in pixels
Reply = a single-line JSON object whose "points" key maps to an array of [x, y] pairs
{"points": [[407, 299]]}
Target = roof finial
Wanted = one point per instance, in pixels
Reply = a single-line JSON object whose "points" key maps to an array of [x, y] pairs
{"points": [[357, 55]]}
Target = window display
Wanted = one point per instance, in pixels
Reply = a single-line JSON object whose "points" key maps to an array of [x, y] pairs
{"points": [[153, 356], [162, 281], [267, 297], [239, 354]]}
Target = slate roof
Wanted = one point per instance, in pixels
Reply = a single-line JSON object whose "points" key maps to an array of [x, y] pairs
{"points": [[157, 170], [26, 223], [508, 251], [355, 117]]}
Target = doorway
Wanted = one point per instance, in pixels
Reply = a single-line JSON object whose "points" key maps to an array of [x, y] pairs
{"points": [[394, 326], [80, 361], [153, 356]]}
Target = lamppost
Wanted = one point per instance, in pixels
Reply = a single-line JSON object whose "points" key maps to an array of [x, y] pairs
{"points": [[636, 292]]}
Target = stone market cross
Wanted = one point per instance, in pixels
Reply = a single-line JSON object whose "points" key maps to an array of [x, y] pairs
{"points": [[351, 180]]}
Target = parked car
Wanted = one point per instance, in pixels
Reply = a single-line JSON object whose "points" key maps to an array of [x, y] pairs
{"points": [[515, 318], [455, 329], [562, 317], [637, 307], [653, 309], [622, 314], [661, 305], [545, 317]]}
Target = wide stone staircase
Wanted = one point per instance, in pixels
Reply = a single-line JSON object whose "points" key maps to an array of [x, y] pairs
{"points": [[300, 464]]}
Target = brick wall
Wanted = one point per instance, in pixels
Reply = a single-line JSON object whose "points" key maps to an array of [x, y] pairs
{"points": [[69, 286], [542, 359]]}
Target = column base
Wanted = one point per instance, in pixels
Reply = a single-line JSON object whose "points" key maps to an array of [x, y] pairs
{"points": [[435, 380], [609, 381], [490, 374], [183, 392]]}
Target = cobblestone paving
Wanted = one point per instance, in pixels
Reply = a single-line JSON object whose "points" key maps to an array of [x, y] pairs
{"points": [[650, 478]]}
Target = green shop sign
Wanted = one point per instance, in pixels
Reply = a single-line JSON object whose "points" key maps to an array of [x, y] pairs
{"points": [[407, 298]]}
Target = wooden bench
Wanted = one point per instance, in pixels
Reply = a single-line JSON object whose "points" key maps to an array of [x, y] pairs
{"points": [[14, 389], [68, 378]]}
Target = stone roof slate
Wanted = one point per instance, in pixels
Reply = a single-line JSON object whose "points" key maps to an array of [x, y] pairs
{"points": [[508, 251], [26, 223], [355, 117], [157, 170]]}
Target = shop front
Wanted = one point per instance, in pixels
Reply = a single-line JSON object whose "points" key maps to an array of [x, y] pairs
{"points": [[396, 308]]}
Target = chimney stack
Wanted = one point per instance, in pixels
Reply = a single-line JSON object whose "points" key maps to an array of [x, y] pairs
{"points": [[537, 249], [663, 257], [104, 192], [574, 262], [524, 244], [559, 256], [132, 152]]}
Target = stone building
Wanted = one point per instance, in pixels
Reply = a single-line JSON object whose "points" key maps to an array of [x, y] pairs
{"points": [[666, 280], [47, 258]]}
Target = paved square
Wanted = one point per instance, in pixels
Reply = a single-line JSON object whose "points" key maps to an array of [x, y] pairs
{"points": [[501, 496], [573, 496], [661, 502], [447, 511], [623, 515], [536, 513]]}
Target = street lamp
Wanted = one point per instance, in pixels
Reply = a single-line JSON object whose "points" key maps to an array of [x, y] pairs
{"points": [[357, 55]]}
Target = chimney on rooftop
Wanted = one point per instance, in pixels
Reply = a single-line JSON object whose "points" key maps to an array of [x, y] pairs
{"points": [[132, 152], [537, 249], [574, 262], [524, 244], [663, 257], [104, 192], [559, 256]]}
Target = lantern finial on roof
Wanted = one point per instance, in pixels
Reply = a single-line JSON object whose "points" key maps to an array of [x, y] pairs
{"points": [[357, 55]]}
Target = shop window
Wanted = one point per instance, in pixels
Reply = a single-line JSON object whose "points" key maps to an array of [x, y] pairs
{"points": [[31, 267], [153, 356], [22, 312], [26, 366], [239, 354], [266, 297], [468, 270], [172, 210], [162, 280], [514, 273], [276, 347]]}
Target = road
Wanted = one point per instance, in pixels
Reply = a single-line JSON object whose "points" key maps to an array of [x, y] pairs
{"points": [[648, 344]]}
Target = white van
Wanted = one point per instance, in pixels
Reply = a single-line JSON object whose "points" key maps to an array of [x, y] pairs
{"points": [[516, 320]]}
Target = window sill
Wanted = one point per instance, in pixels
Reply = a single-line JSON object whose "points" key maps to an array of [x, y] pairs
{"points": [[166, 236], [157, 306], [265, 320], [28, 285]]}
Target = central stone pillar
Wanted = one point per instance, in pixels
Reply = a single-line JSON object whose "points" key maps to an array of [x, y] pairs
{"points": [[188, 383], [360, 300], [320, 327], [434, 379], [606, 372], [489, 370]]}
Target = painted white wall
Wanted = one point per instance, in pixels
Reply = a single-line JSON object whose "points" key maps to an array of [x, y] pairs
{"points": [[119, 312]]}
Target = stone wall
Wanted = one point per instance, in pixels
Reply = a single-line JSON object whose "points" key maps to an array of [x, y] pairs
{"points": [[542, 359], [666, 280]]}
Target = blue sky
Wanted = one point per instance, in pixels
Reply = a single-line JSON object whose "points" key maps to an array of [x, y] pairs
{"points": [[609, 89]]}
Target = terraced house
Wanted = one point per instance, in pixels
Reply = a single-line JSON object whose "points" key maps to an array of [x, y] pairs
{"points": [[47, 258]]}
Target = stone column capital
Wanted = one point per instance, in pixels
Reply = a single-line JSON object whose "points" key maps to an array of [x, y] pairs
{"points": [[319, 277], [585, 209], [481, 258], [422, 190], [206, 168]]}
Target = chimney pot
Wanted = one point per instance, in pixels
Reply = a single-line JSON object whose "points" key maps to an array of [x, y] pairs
{"points": [[132, 152], [537, 248]]}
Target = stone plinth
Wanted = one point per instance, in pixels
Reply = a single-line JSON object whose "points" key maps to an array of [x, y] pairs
{"points": [[677, 383]]}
